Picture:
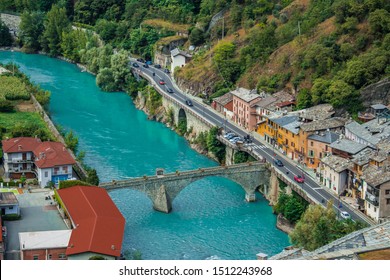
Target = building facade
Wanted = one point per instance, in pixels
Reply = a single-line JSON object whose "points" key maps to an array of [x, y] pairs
{"points": [[179, 58], [244, 110]]}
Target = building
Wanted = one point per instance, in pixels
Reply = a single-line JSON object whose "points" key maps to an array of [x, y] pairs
{"points": [[9, 204], [346, 148], [376, 190], [44, 245], [319, 145], [179, 58], [163, 48], [46, 161], [278, 102], [244, 110], [224, 105], [53, 163], [19, 158], [97, 224], [334, 173], [3, 242]]}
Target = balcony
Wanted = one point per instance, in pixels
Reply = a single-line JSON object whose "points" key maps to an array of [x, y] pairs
{"points": [[61, 172], [19, 160], [372, 199]]}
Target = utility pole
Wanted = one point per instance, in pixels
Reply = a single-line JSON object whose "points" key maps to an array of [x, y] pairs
{"points": [[223, 27], [299, 28]]}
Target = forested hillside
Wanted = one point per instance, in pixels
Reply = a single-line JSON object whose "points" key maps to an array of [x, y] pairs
{"points": [[320, 50]]}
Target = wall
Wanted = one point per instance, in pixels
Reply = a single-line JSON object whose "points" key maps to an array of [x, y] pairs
{"points": [[383, 206], [177, 61], [43, 254], [42, 179]]}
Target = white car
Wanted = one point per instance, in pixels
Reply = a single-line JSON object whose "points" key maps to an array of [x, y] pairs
{"points": [[345, 215]]}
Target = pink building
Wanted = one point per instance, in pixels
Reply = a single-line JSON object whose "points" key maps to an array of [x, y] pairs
{"points": [[244, 108]]}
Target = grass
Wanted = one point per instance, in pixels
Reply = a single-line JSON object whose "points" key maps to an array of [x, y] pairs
{"points": [[10, 120], [160, 23]]}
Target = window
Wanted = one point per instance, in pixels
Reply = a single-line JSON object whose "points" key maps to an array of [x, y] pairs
{"points": [[65, 169], [320, 155], [387, 192], [369, 205], [11, 207], [46, 174], [326, 148], [374, 209], [387, 201], [311, 143], [49, 256], [35, 257], [62, 256]]}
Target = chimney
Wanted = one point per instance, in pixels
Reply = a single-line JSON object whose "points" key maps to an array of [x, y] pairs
{"points": [[19, 147]]}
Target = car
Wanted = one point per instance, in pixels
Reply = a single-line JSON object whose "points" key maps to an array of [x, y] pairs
{"points": [[158, 66], [166, 71], [161, 82], [140, 60], [146, 66], [234, 139], [228, 134], [299, 179], [278, 162], [135, 64], [231, 136], [148, 62], [169, 90], [189, 102], [345, 215]]}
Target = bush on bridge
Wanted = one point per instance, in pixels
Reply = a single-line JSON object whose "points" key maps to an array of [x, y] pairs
{"points": [[71, 183]]}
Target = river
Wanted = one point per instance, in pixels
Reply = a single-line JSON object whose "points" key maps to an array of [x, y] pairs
{"points": [[210, 219]]}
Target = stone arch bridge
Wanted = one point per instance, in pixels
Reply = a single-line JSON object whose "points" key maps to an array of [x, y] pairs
{"points": [[163, 189]]}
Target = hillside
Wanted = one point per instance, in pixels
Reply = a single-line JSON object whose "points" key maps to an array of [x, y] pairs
{"points": [[319, 50]]}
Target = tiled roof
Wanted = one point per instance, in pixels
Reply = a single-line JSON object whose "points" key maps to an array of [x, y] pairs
{"points": [[224, 99], [372, 132], [284, 120], [245, 94], [293, 126], [323, 124], [8, 198], [99, 226], [326, 137], [362, 157], [50, 154], [348, 146], [20, 144], [378, 107], [176, 52], [337, 163], [284, 104], [375, 176], [318, 112]]}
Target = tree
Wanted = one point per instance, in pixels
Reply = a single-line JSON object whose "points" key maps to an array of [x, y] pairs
{"points": [[304, 99], [105, 80], [31, 28], [71, 141], [379, 22], [214, 146], [6, 106], [5, 36], [196, 37], [119, 67], [92, 178], [55, 24]]}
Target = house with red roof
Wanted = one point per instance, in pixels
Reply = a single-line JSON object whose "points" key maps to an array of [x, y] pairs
{"points": [[97, 224], [46, 161], [18, 157]]}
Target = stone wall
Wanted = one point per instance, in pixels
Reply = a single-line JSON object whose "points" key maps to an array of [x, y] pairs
{"points": [[376, 93], [11, 21]]}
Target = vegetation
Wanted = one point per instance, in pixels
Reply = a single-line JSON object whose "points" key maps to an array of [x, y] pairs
{"points": [[241, 157], [71, 183], [214, 146], [5, 36], [291, 206], [319, 226]]}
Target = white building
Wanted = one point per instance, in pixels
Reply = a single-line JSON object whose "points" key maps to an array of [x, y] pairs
{"points": [[334, 173], [179, 58]]}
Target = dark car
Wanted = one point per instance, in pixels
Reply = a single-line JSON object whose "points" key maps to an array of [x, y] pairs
{"points": [[189, 103], [148, 62], [158, 66], [146, 66], [299, 179], [169, 90], [140, 60], [161, 82], [278, 162], [166, 71], [135, 64]]}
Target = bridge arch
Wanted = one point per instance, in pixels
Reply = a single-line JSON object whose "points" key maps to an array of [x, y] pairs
{"points": [[182, 121]]}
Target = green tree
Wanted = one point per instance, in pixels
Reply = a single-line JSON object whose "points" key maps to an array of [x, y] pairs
{"points": [[119, 67], [105, 80], [71, 141], [196, 37], [31, 28], [214, 146], [379, 22], [304, 99], [92, 178], [5, 36], [55, 24]]}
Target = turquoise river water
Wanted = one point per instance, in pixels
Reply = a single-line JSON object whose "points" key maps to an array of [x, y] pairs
{"points": [[210, 219]]}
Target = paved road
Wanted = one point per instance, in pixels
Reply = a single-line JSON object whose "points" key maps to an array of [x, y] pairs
{"points": [[311, 187]]}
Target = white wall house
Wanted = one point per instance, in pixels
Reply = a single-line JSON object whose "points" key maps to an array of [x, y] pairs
{"points": [[334, 173], [179, 58]]}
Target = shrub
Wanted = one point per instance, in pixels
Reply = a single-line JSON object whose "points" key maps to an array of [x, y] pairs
{"points": [[71, 183], [6, 106], [11, 217]]}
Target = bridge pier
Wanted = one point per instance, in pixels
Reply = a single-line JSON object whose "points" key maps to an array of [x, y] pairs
{"points": [[162, 201], [250, 197]]}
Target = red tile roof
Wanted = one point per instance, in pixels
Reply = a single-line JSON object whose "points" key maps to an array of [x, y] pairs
{"points": [[20, 144], [99, 226], [50, 154], [285, 103]]}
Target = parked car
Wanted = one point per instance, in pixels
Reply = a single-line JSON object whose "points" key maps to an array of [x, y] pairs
{"points": [[140, 60], [235, 139], [345, 215], [158, 66], [169, 90], [278, 162], [189, 102], [161, 82], [228, 134], [135, 64], [299, 179], [231, 136], [146, 66], [166, 71], [148, 62]]}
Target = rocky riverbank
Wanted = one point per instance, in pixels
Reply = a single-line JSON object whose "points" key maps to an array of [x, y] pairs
{"points": [[284, 225]]}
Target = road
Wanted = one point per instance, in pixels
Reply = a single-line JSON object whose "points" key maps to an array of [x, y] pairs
{"points": [[311, 187]]}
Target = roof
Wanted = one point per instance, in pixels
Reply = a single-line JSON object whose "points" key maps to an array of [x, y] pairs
{"points": [[348, 146], [224, 99], [378, 107], [263, 103], [245, 94], [49, 154], [285, 103], [376, 176], [8, 198], [362, 157], [176, 52], [323, 124], [44, 239], [318, 112], [20, 144], [99, 226], [325, 137], [285, 120], [372, 132], [337, 163], [293, 126]]}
